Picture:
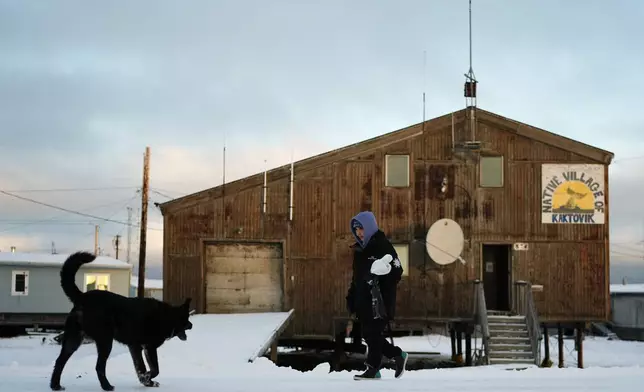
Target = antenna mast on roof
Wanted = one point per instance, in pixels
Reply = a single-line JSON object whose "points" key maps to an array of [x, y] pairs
{"points": [[223, 192], [424, 81], [470, 88]]}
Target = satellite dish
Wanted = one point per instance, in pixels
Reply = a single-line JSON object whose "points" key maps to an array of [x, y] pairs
{"points": [[444, 242]]}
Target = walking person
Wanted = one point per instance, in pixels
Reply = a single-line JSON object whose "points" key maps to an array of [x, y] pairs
{"points": [[372, 293]]}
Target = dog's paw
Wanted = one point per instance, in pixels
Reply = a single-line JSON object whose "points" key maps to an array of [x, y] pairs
{"points": [[146, 380], [57, 387], [107, 387]]}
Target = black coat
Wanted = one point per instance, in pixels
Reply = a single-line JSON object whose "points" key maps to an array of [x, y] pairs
{"points": [[359, 294]]}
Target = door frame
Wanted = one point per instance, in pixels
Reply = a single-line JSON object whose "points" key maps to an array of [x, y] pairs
{"points": [[510, 245], [231, 241]]}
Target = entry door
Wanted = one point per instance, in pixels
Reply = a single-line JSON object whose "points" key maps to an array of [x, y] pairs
{"points": [[496, 276]]}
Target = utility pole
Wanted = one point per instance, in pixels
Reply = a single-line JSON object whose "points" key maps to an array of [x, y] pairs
{"points": [[117, 242], [129, 233], [53, 248], [144, 221], [96, 240]]}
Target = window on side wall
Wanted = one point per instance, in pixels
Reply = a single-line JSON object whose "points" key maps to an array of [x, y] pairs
{"points": [[491, 172], [97, 282], [397, 171], [403, 256], [19, 283]]}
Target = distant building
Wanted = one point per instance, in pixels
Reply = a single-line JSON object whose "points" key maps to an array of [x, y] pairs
{"points": [[30, 291], [153, 288], [627, 305]]}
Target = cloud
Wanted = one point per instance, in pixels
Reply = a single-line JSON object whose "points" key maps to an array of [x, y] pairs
{"points": [[20, 242], [87, 85]]}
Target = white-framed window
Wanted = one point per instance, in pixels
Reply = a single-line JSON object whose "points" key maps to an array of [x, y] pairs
{"points": [[397, 171], [19, 283], [491, 172], [97, 282], [403, 256]]}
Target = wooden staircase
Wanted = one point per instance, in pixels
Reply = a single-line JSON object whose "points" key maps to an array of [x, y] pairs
{"points": [[509, 340]]}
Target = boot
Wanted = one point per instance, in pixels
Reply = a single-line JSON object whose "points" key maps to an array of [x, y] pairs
{"points": [[401, 362], [370, 374]]}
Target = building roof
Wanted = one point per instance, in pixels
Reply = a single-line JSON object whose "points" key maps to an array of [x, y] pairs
{"points": [[56, 260], [592, 153], [627, 288], [156, 284]]}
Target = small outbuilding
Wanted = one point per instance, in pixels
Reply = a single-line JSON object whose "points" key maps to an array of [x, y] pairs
{"points": [[31, 292], [153, 288], [627, 308]]}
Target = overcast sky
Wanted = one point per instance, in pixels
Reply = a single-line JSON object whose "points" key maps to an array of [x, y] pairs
{"points": [[86, 85]]}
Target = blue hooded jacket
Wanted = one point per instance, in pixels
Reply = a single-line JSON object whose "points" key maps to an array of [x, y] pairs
{"points": [[366, 220], [374, 246]]}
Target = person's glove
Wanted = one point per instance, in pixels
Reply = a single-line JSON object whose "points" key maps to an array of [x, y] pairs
{"points": [[382, 266]]}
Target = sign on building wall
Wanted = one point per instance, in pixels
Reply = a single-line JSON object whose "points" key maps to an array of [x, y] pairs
{"points": [[572, 194]]}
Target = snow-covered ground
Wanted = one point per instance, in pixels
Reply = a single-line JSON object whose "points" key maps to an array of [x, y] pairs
{"points": [[215, 358]]}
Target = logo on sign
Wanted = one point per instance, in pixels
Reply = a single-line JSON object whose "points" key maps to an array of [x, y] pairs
{"points": [[572, 194]]}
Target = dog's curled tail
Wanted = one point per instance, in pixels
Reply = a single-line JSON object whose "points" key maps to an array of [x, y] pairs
{"points": [[68, 274]]}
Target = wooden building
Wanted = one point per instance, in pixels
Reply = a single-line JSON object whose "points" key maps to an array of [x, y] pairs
{"points": [[533, 206]]}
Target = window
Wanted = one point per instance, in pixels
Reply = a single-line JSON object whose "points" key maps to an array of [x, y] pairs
{"points": [[491, 172], [397, 171], [20, 283], [97, 282], [403, 256]]}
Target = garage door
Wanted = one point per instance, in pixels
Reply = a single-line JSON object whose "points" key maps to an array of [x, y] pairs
{"points": [[243, 278]]}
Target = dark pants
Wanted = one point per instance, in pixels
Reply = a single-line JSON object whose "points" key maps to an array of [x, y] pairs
{"points": [[372, 331]]}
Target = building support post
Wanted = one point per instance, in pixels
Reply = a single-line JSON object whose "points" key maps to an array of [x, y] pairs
{"points": [[579, 336], [468, 346], [546, 342], [560, 344], [452, 338], [459, 346]]}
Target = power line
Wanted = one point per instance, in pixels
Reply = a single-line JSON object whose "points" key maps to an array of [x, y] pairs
{"points": [[620, 160], [627, 247], [68, 210], [54, 218], [71, 189], [625, 254], [47, 222], [160, 194]]}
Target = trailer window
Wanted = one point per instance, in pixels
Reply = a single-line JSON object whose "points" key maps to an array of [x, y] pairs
{"points": [[97, 282], [20, 283]]}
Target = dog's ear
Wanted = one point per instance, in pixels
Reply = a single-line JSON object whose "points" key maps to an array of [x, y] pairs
{"points": [[186, 303]]}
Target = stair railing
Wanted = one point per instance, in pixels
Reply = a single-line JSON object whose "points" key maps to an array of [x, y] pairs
{"points": [[480, 315], [523, 304]]}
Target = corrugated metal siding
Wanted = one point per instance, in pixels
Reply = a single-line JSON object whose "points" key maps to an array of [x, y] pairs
{"points": [[312, 218], [570, 260], [572, 275], [182, 272]]}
